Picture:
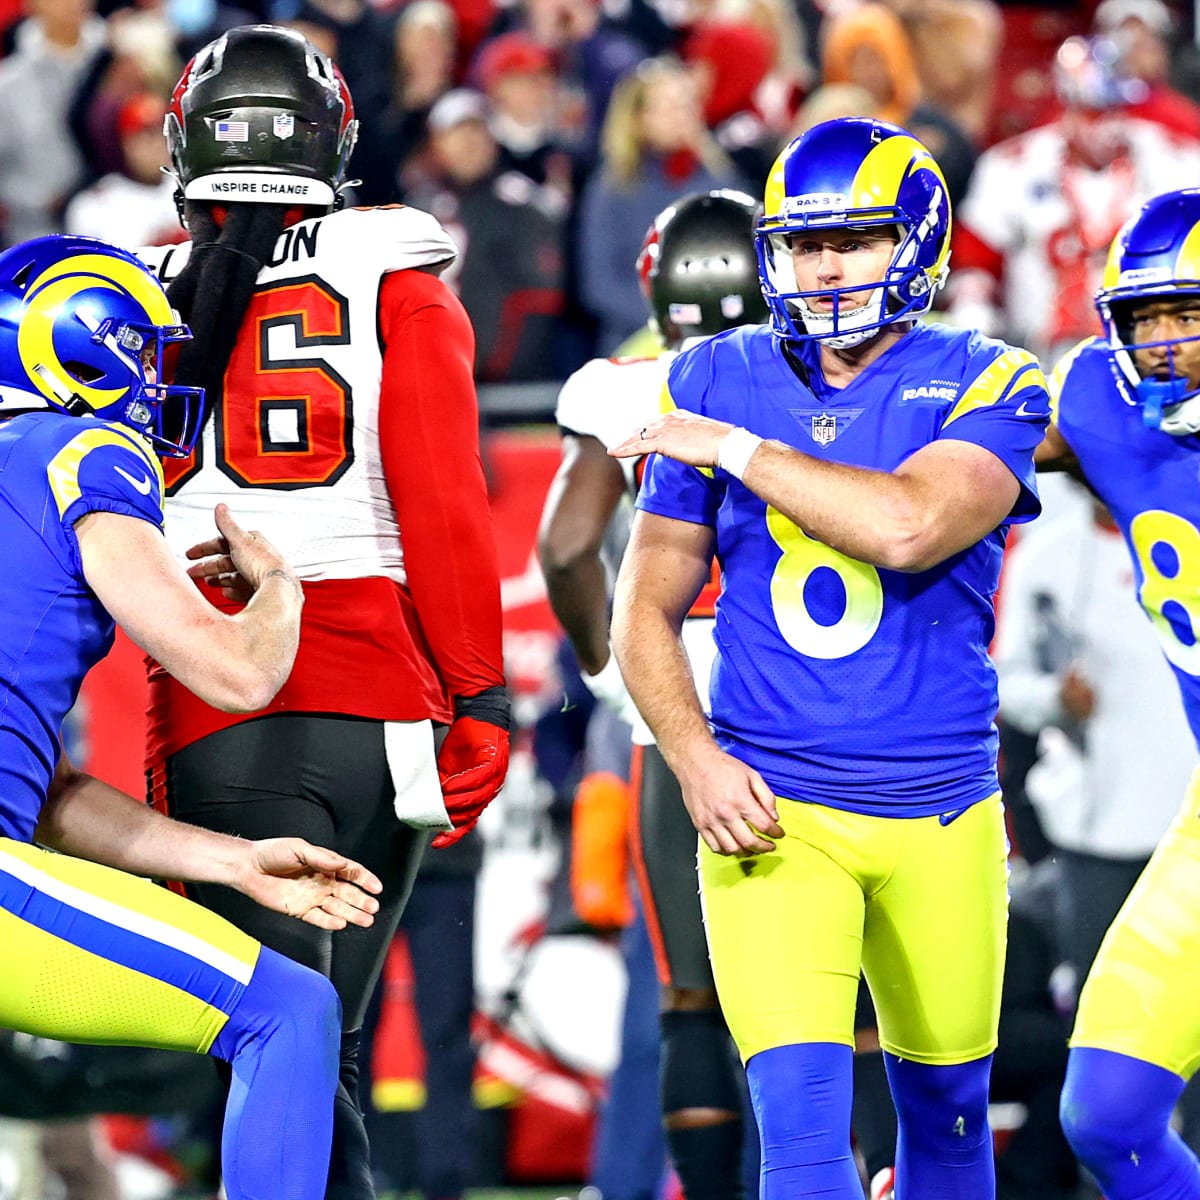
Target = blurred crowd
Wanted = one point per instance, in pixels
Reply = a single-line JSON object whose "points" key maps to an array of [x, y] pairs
{"points": [[546, 134]]}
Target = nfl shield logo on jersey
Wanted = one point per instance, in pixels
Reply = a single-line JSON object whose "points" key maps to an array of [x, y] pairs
{"points": [[824, 428], [283, 125]]}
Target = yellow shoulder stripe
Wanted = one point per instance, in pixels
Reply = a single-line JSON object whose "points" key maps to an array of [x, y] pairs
{"points": [[1062, 369], [63, 469], [996, 381], [666, 404]]}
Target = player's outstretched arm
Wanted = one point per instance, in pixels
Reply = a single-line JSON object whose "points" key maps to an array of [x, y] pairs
{"points": [[235, 663], [88, 819], [665, 565], [944, 498]]}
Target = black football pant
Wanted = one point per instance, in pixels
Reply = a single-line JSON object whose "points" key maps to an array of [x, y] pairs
{"points": [[325, 779]]}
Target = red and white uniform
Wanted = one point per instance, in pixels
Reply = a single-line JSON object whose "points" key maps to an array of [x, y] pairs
{"points": [[348, 433], [608, 399], [1041, 223]]}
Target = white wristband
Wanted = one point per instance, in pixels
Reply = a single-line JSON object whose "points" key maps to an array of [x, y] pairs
{"points": [[736, 449], [608, 686]]}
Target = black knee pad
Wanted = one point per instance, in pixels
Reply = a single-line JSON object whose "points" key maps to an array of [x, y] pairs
{"points": [[699, 1064]]}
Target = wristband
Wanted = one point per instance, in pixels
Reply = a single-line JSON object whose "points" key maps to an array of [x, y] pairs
{"points": [[735, 451], [491, 705], [606, 684]]}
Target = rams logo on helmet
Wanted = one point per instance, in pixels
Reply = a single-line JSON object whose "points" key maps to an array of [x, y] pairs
{"points": [[81, 325]]}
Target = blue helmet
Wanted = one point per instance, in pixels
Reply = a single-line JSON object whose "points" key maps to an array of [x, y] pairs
{"points": [[1155, 256], [854, 172], [81, 323]]}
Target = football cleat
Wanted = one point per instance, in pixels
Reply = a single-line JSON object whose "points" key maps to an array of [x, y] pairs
{"points": [[883, 1186]]}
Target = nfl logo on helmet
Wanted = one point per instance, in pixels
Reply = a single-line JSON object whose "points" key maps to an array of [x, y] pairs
{"points": [[824, 428]]}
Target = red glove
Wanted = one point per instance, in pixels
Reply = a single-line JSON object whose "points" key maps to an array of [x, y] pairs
{"points": [[473, 760]]}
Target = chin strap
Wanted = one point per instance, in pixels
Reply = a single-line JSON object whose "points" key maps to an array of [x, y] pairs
{"points": [[1168, 407]]}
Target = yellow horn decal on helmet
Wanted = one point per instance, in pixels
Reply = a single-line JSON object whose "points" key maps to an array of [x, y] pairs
{"points": [[877, 180], [775, 190], [1112, 266], [35, 338], [127, 276], [1187, 264]]}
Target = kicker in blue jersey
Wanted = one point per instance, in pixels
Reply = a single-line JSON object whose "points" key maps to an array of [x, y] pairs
{"points": [[54, 469], [817, 652]]}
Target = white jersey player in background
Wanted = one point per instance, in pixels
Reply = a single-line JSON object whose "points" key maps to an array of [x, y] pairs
{"points": [[699, 276]]}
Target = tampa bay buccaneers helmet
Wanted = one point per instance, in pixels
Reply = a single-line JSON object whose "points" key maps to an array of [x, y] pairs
{"points": [[82, 326], [854, 173], [261, 115], [1155, 257], [697, 266]]}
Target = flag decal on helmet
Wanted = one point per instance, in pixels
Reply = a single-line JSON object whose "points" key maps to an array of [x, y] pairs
{"points": [[263, 105]]}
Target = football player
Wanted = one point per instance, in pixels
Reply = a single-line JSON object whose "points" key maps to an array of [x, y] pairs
{"points": [[92, 954], [855, 472], [1126, 411], [698, 275], [342, 411]]}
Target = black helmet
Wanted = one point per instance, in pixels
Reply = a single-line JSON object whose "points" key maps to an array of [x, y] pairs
{"points": [[261, 115], [698, 268]]}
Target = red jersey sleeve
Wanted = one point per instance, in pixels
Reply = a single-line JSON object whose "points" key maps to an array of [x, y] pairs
{"points": [[429, 441]]}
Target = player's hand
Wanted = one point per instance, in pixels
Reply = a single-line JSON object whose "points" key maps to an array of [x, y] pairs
{"points": [[315, 885], [237, 561], [730, 805], [686, 436], [473, 760]]}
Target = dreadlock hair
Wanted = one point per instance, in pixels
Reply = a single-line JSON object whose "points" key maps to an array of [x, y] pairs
{"points": [[214, 289]]}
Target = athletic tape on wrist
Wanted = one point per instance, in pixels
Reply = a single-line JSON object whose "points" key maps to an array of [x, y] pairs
{"points": [[733, 454]]}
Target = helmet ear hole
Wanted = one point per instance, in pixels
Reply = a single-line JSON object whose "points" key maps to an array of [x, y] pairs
{"points": [[83, 372]]}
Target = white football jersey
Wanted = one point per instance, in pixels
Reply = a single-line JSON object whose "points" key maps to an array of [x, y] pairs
{"points": [[294, 446], [609, 399], [1053, 221]]}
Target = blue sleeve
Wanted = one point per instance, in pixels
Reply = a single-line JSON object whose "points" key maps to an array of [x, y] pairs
{"points": [[669, 488], [1005, 408], [103, 471]]}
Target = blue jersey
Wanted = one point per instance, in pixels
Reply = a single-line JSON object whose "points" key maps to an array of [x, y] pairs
{"points": [[54, 469], [1148, 481], [843, 683]]}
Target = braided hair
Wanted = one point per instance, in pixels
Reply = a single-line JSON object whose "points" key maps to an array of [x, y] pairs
{"points": [[214, 289]]}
